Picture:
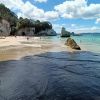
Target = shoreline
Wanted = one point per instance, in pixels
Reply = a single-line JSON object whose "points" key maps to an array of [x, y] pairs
{"points": [[13, 48]]}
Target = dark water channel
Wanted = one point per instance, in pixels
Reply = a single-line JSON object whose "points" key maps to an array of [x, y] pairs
{"points": [[51, 76]]}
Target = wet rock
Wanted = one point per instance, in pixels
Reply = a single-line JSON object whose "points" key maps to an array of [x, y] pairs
{"points": [[71, 42]]}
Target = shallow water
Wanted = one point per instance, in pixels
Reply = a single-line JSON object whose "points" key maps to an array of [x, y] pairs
{"points": [[88, 42]]}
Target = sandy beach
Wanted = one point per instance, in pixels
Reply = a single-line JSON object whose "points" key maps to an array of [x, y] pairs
{"points": [[49, 72], [15, 41], [17, 47]]}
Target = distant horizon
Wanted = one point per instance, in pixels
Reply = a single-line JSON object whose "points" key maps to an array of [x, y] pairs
{"points": [[84, 33], [79, 16]]}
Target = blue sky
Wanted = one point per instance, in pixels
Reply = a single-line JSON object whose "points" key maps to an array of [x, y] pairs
{"points": [[75, 15]]}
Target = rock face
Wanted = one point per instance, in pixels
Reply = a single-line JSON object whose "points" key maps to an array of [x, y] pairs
{"points": [[64, 33], [71, 42], [4, 28], [48, 32], [51, 32], [28, 31]]}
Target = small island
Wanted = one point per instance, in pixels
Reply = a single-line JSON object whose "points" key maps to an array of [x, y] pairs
{"points": [[65, 33]]}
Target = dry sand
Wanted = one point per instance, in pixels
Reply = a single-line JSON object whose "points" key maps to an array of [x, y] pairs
{"points": [[13, 48], [17, 47], [16, 41]]}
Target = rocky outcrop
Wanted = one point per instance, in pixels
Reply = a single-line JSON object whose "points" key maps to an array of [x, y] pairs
{"points": [[28, 31], [51, 32], [64, 33], [71, 43], [48, 32], [4, 28]]}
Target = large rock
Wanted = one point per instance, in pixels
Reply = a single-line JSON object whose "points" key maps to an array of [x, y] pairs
{"points": [[51, 32], [71, 42], [64, 33], [48, 32], [5, 28], [27, 31]]}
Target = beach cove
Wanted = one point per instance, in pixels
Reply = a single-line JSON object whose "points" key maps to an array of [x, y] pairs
{"points": [[19, 46], [49, 50]]}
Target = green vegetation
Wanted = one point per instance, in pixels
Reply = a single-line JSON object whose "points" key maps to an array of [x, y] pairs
{"points": [[39, 26], [22, 23], [17, 24], [8, 15]]}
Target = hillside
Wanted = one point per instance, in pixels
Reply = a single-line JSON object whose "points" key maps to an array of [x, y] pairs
{"points": [[8, 15], [25, 25]]}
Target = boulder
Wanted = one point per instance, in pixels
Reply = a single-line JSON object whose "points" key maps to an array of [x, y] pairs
{"points": [[71, 42]]}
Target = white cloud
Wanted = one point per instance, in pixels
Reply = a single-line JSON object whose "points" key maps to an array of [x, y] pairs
{"points": [[77, 28], [94, 28], [40, 1], [98, 21], [58, 27], [27, 9], [51, 14], [13, 4], [78, 9], [68, 9], [85, 29], [73, 25]]}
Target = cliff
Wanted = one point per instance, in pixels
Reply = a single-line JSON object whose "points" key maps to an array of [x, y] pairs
{"points": [[23, 26]]}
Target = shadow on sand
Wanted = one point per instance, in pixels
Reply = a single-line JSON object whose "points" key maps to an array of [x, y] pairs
{"points": [[51, 76]]}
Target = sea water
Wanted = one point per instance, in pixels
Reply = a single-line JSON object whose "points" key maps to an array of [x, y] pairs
{"points": [[90, 42], [54, 75], [87, 42]]}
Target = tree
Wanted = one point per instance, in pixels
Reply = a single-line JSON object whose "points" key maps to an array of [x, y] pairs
{"points": [[8, 15], [46, 25], [22, 23]]}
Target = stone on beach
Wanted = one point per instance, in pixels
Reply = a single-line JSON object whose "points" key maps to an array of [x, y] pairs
{"points": [[71, 42]]}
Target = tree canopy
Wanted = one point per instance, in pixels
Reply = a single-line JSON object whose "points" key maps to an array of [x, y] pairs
{"points": [[18, 23], [7, 14]]}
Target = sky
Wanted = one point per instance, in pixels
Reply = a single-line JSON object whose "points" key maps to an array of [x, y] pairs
{"points": [[79, 16]]}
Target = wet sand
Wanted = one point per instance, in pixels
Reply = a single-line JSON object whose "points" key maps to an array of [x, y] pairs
{"points": [[49, 72]]}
